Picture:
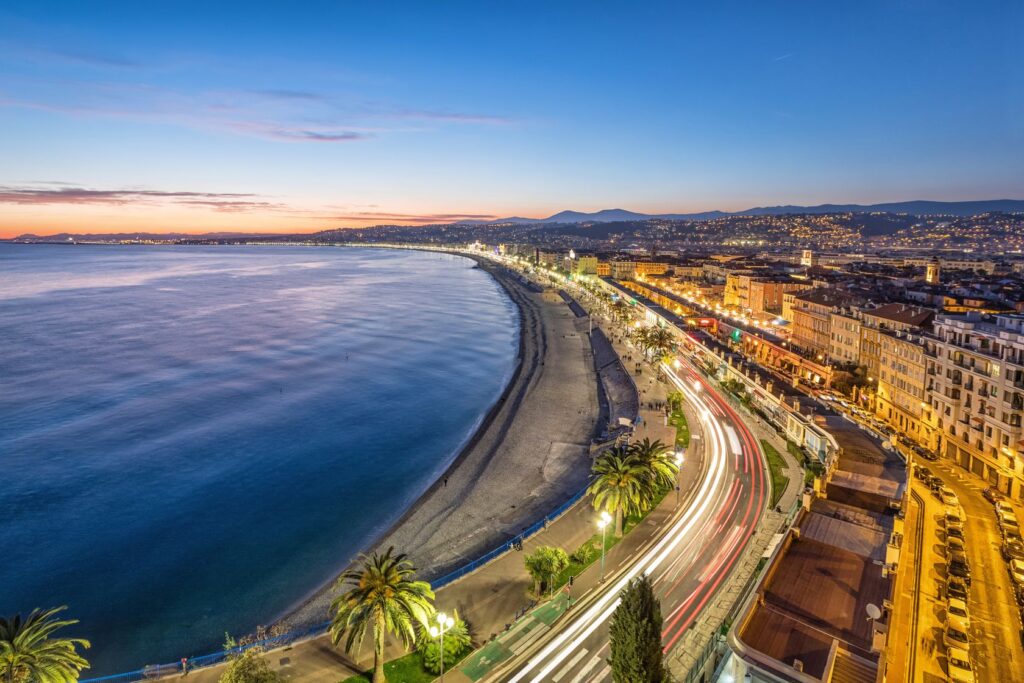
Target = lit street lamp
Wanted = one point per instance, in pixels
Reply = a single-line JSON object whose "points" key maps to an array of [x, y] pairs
{"points": [[679, 466], [602, 524], [444, 623]]}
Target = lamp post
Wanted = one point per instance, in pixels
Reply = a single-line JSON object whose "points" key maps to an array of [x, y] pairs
{"points": [[444, 623], [602, 524], [679, 465]]}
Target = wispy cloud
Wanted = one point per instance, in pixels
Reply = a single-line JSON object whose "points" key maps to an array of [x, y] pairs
{"points": [[419, 219], [67, 194], [277, 114], [96, 59], [783, 57]]}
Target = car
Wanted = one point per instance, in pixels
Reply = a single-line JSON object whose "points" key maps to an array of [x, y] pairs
{"points": [[930, 456], [954, 532], [1010, 529], [956, 588], [954, 544], [1003, 508], [959, 567], [952, 517], [957, 609], [955, 635], [948, 496], [1017, 571], [992, 495], [1012, 550], [922, 472], [958, 665], [935, 484]]}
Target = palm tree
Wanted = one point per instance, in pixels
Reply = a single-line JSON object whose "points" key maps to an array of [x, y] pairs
{"points": [[621, 484], [543, 564], [382, 596], [660, 341], [658, 461], [29, 652]]}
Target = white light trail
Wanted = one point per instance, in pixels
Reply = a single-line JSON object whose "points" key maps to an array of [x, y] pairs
{"points": [[574, 634]]}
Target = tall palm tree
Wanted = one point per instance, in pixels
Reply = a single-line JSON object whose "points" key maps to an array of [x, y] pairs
{"points": [[621, 485], [658, 461], [29, 652], [383, 597]]}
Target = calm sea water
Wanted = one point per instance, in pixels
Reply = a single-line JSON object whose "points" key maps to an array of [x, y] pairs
{"points": [[192, 439]]}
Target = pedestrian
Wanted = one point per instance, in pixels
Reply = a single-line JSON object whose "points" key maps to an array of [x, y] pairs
{"points": [[184, 666]]}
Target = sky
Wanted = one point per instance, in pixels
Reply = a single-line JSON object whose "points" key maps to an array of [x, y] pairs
{"points": [[294, 117]]}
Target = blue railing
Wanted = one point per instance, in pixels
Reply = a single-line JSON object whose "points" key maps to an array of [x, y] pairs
{"points": [[201, 661]]}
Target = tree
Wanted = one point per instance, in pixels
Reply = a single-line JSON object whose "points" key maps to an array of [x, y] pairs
{"points": [[543, 564], [659, 463], [384, 598], [30, 652], [620, 485], [660, 341], [456, 641], [635, 635], [249, 667]]}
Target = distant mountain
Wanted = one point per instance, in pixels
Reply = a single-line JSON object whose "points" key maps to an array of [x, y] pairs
{"points": [[918, 208]]}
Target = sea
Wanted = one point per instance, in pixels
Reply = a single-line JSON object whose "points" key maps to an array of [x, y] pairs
{"points": [[195, 438]]}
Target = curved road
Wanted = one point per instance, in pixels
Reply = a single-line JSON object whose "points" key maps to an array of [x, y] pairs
{"points": [[688, 563]]}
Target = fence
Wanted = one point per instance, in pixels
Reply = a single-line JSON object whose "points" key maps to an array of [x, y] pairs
{"points": [[157, 670]]}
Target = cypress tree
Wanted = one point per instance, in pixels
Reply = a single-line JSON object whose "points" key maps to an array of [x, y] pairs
{"points": [[635, 634]]}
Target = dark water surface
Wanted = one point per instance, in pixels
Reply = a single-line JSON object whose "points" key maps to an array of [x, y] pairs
{"points": [[192, 439]]}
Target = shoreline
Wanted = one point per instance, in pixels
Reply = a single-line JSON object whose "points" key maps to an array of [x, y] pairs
{"points": [[435, 517]]}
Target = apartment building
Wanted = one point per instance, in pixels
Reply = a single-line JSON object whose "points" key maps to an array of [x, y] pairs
{"points": [[844, 337], [812, 317], [976, 365], [901, 399]]}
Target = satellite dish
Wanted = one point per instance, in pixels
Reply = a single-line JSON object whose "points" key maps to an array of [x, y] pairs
{"points": [[873, 611]]}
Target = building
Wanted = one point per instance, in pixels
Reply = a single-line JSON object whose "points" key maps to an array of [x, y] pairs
{"points": [[901, 399], [976, 364], [807, 259], [812, 317], [933, 272], [844, 337]]}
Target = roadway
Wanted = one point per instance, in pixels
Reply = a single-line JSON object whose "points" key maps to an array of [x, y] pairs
{"points": [[689, 562]]}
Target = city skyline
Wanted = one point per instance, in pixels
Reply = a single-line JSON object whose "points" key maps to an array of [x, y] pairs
{"points": [[134, 118]]}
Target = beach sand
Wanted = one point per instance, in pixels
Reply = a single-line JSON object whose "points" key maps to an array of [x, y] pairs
{"points": [[530, 453]]}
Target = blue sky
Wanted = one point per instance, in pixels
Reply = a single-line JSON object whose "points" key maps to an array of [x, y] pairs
{"points": [[299, 116]]}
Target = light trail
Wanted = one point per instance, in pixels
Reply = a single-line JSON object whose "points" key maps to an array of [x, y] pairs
{"points": [[574, 634]]}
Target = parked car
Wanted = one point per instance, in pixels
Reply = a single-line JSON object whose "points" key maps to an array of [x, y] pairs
{"points": [[992, 495], [948, 496], [1003, 507], [954, 544], [957, 609], [955, 634], [952, 520], [958, 666], [1010, 528], [935, 484], [1012, 550], [956, 532], [956, 588], [959, 567], [922, 472], [1017, 571]]}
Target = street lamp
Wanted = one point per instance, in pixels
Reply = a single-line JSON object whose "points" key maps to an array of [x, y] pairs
{"points": [[444, 623], [679, 465], [602, 524]]}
